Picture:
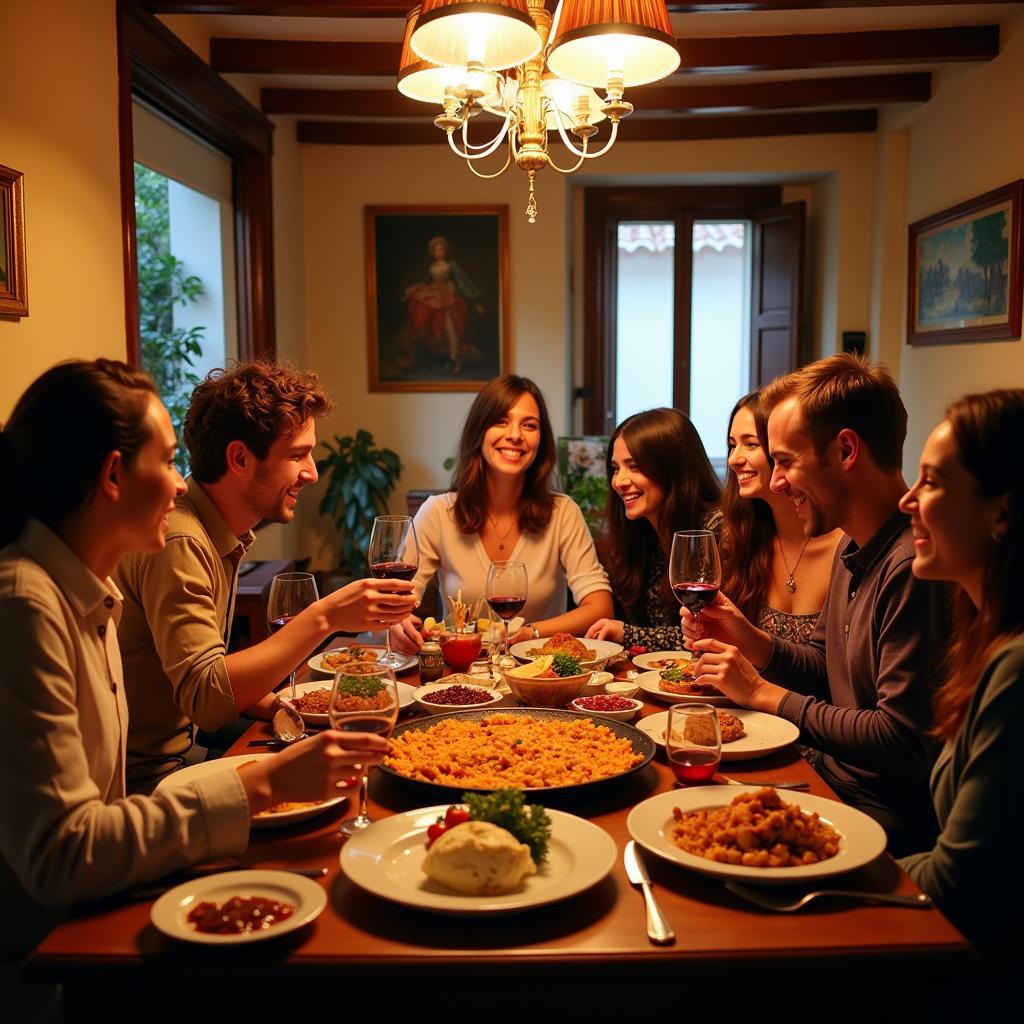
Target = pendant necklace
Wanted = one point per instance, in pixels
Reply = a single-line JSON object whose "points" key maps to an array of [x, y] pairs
{"points": [[501, 536], [790, 581]]}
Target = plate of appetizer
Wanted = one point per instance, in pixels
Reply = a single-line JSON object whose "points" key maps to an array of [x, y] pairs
{"points": [[326, 663], [680, 687], [529, 863], [745, 734], [608, 705], [657, 660], [593, 655], [234, 907], [312, 699], [290, 813], [457, 692], [741, 825]]}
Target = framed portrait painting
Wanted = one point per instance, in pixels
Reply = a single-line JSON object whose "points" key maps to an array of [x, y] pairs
{"points": [[13, 286], [965, 271], [437, 296]]}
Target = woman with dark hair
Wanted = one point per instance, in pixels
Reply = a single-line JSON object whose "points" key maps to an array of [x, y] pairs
{"points": [[967, 516], [501, 507], [88, 456], [771, 570], [661, 481]]}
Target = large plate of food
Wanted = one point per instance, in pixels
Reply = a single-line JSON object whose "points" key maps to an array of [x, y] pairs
{"points": [[593, 655], [679, 686], [658, 660], [745, 734], [755, 834], [476, 872], [290, 813], [313, 698], [535, 749], [326, 663]]}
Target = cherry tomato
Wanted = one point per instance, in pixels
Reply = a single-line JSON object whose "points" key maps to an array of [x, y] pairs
{"points": [[455, 816], [434, 832]]}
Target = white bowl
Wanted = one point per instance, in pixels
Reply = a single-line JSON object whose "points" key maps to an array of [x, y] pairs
{"points": [[622, 687], [603, 651], [625, 715], [456, 679]]}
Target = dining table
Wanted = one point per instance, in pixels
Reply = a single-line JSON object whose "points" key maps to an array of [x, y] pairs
{"points": [[365, 951]]}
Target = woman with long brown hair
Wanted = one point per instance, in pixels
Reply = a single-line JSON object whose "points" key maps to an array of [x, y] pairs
{"points": [[501, 507], [661, 481], [771, 570], [967, 515]]}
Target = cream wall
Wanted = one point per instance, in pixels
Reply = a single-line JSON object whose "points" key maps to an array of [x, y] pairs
{"points": [[58, 125]]}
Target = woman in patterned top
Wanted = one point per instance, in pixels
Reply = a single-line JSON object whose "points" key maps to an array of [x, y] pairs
{"points": [[661, 481], [770, 569]]}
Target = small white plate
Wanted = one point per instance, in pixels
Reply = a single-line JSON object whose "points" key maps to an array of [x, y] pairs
{"points": [[457, 679], [205, 769], [648, 682], [602, 651], [317, 665], [862, 838], [764, 734], [626, 715], [170, 912], [652, 659], [386, 859], [406, 699]]}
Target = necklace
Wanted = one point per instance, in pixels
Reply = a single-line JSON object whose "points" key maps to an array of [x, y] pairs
{"points": [[790, 581], [501, 536]]}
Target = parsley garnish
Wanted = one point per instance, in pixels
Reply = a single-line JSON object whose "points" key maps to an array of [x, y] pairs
{"points": [[360, 686], [566, 664], [506, 808]]}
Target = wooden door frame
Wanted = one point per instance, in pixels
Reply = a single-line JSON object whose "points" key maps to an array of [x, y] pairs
{"points": [[602, 209]]}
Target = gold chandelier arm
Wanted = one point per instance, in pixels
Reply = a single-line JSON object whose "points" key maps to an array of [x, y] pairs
{"points": [[501, 170], [486, 150], [584, 154], [575, 167]]}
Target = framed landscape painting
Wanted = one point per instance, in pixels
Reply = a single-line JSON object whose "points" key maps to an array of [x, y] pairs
{"points": [[13, 286], [437, 296], [965, 271]]}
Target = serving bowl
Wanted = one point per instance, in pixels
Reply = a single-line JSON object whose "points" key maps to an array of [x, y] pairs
{"points": [[625, 715], [603, 652], [457, 679], [546, 693]]}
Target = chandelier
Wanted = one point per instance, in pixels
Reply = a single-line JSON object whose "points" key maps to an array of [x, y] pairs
{"points": [[511, 60]]}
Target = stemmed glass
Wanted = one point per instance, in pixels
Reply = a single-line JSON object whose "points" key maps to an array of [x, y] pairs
{"points": [[694, 569], [290, 593], [506, 592], [393, 554], [364, 699], [693, 743]]}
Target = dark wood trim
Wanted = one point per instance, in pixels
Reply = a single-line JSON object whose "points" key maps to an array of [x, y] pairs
{"points": [[636, 129], [157, 67], [14, 289]]}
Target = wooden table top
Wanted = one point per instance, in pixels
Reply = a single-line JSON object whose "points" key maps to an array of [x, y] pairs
{"points": [[598, 928]]}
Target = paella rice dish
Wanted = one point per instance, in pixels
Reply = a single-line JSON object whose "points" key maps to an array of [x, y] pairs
{"points": [[510, 750]]}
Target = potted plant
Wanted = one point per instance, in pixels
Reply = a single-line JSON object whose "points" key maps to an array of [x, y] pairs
{"points": [[360, 479]]}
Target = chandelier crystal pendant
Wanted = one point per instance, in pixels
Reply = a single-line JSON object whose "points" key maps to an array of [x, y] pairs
{"points": [[510, 60]]}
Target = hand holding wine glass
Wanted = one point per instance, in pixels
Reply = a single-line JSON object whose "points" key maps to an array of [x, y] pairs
{"points": [[694, 569], [290, 593], [393, 554], [506, 592], [364, 699]]}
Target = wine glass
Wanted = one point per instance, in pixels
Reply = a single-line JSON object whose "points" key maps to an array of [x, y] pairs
{"points": [[290, 592], [506, 592], [693, 742], [694, 569], [364, 698], [393, 554]]}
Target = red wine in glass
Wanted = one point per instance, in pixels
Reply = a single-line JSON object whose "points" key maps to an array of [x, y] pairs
{"points": [[507, 607], [694, 569], [279, 623], [393, 570], [377, 726], [695, 596], [694, 766]]}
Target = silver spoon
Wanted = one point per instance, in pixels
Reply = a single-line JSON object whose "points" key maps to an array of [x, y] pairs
{"points": [[920, 901], [288, 727]]}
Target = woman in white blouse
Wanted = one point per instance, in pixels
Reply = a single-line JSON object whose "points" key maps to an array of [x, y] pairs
{"points": [[87, 458], [501, 507]]}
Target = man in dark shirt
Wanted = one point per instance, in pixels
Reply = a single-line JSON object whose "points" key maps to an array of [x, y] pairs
{"points": [[861, 690]]}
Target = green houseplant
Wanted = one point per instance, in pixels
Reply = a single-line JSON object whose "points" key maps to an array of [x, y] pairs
{"points": [[360, 479]]}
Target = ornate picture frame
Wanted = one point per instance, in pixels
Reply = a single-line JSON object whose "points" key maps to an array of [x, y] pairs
{"points": [[13, 281]]}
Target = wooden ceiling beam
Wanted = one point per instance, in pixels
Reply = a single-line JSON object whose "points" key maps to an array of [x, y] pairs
{"points": [[744, 53], [805, 92], [822, 122]]}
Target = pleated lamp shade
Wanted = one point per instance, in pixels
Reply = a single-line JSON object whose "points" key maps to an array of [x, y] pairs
{"points": [[418, 78], [495, 33], [593, 37]]}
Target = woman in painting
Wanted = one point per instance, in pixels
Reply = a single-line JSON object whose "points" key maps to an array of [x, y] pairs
{"points": [[439, 307], [501, 507], [660, 481]]}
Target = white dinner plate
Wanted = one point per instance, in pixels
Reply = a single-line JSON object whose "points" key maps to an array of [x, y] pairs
{"points": [[406, 698], [862, 838], [386, 859], [170, 912], [764, 734], [406, 661], [648, 682], [649, 662], [205, 769], [601, 651]]}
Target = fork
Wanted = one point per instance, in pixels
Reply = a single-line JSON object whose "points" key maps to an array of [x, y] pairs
{"points": [[919, 901], [795, 784]]}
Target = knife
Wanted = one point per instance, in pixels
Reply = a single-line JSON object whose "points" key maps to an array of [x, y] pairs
{"points": [[659, 931]]}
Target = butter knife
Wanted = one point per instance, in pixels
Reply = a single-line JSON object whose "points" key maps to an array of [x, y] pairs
{"points": [[659, 931]]}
